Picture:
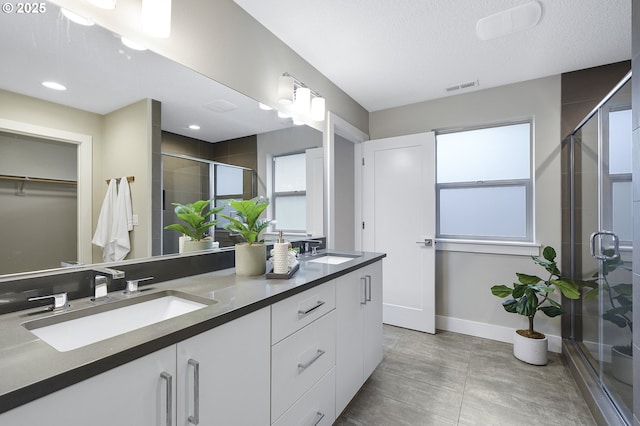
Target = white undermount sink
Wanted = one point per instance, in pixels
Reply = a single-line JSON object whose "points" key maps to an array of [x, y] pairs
{"points": [[74, 330], [331, 259]]}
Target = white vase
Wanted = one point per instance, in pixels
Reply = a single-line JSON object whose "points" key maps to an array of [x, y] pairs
{"points": [[622, 366], [188, 246], [531, 351], [251, 259]]}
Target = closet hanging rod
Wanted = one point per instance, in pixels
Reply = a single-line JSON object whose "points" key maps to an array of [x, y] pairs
{"points": [[129, 179], [41, 180]]}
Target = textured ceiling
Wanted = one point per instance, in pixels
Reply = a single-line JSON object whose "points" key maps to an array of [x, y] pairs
{"points": [[388, 53]]}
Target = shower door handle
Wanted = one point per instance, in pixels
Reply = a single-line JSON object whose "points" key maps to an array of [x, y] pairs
{"points": [[600, 255]]}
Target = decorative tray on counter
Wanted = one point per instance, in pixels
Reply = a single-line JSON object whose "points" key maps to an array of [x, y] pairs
{"points": [[273, 275]]}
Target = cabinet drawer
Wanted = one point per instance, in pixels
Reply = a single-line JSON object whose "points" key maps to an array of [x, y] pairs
{"points": [[299, 361], [316, 407], [295, 312]]}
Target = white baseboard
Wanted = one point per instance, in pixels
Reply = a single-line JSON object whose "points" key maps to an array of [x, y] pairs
{"points": [[488, 331]]}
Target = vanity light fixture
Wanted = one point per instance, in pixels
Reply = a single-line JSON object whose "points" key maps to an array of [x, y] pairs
{"points": [[74, 17], [132, 44], [104, 4], [54, 86], [305, 100], [156, 17]]}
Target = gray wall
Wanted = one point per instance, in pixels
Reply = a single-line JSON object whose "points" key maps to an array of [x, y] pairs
{"points": [[635, 55], [463, 279]]}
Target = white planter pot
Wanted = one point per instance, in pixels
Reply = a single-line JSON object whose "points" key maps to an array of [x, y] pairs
{"points": [[531, 351], [251, 259], [622, 366], [188, 246]]}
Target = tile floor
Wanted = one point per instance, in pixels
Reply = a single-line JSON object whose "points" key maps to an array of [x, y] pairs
{"points": [[455, 379]]}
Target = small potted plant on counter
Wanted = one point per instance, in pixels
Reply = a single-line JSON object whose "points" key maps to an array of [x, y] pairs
{"points": [[251, 256], [197, 223], [530, 295]]}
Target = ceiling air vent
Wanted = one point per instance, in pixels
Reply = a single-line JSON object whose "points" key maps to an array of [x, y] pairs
{"points": [[463, 86], [221, 105]]}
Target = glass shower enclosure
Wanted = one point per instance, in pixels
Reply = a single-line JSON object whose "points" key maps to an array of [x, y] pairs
{"points": [[602, 243]]}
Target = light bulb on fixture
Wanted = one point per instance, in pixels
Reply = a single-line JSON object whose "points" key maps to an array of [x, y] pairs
{"points": [[302, 102], [317, 108], [156, 17], [74, 17], [285, 89]]}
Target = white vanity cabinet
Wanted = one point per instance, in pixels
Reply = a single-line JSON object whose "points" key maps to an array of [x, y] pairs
{"points": [[223, 374], [303, 358], [359, 345], [233, 362], [132, 394]]}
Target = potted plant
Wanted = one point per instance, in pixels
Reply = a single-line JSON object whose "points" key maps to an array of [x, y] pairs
{"points": [[251, 256], [619, 312], [197, 223], [530, 295]]}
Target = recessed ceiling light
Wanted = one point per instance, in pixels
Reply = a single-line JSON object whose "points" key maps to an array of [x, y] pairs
{"points": [[104, 4], [283, 114], [194, 127], [74, 17], [53, 85], [264, 107], [132, 44]]}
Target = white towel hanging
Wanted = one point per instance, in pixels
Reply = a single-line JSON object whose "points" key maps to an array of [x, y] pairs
{"points": [[122, 222], [102, 235]]}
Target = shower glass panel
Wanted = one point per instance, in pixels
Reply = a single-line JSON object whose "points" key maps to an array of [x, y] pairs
{"points": [[602, 245]]}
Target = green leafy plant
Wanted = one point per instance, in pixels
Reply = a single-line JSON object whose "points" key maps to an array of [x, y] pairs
{"points": [[247, 221], [618, 297], [196, 218], [532, 293]]}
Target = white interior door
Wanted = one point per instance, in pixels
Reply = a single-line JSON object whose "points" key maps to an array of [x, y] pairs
{"points": [[398, 199]]}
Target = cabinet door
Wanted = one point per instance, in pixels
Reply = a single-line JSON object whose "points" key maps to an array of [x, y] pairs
{"points": [[229, 367], [132, 394], [350, 302], [372, 325]]}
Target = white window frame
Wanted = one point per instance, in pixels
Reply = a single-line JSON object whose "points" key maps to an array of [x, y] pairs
{"points": [[283, 194], [454, 241]]}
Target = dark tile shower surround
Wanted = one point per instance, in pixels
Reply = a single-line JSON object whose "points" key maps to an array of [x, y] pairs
{"points": [[78, 284]]}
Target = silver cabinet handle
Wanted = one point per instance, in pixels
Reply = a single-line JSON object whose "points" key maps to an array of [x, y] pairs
{"points": [[195, 419], [318, 419], [602, 256], [304, 366], [303, 313], [169, 399], [368, 281], [363, 280]]}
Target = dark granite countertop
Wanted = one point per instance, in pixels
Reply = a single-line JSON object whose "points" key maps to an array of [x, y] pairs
{"points": [[30, 368]]}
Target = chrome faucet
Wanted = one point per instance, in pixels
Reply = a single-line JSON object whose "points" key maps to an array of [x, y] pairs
{"points": [[60, 301], [115, 274], [100, 288], [314, 249]]}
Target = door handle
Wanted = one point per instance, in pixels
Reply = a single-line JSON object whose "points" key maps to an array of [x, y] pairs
{"points": [[600, 255], [428, 242]]}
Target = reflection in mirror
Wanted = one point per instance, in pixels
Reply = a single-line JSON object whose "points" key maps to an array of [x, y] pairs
{"points": [[107, 85]]}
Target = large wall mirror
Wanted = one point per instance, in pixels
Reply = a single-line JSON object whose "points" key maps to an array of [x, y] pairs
{"points": [[124, 113]]}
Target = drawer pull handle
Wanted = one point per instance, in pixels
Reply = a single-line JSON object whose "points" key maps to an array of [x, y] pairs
{"points": [[169, 398], [302, 313], [368, 278], [363, 280], [318, 419], [304, 366], [195, 419]]}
